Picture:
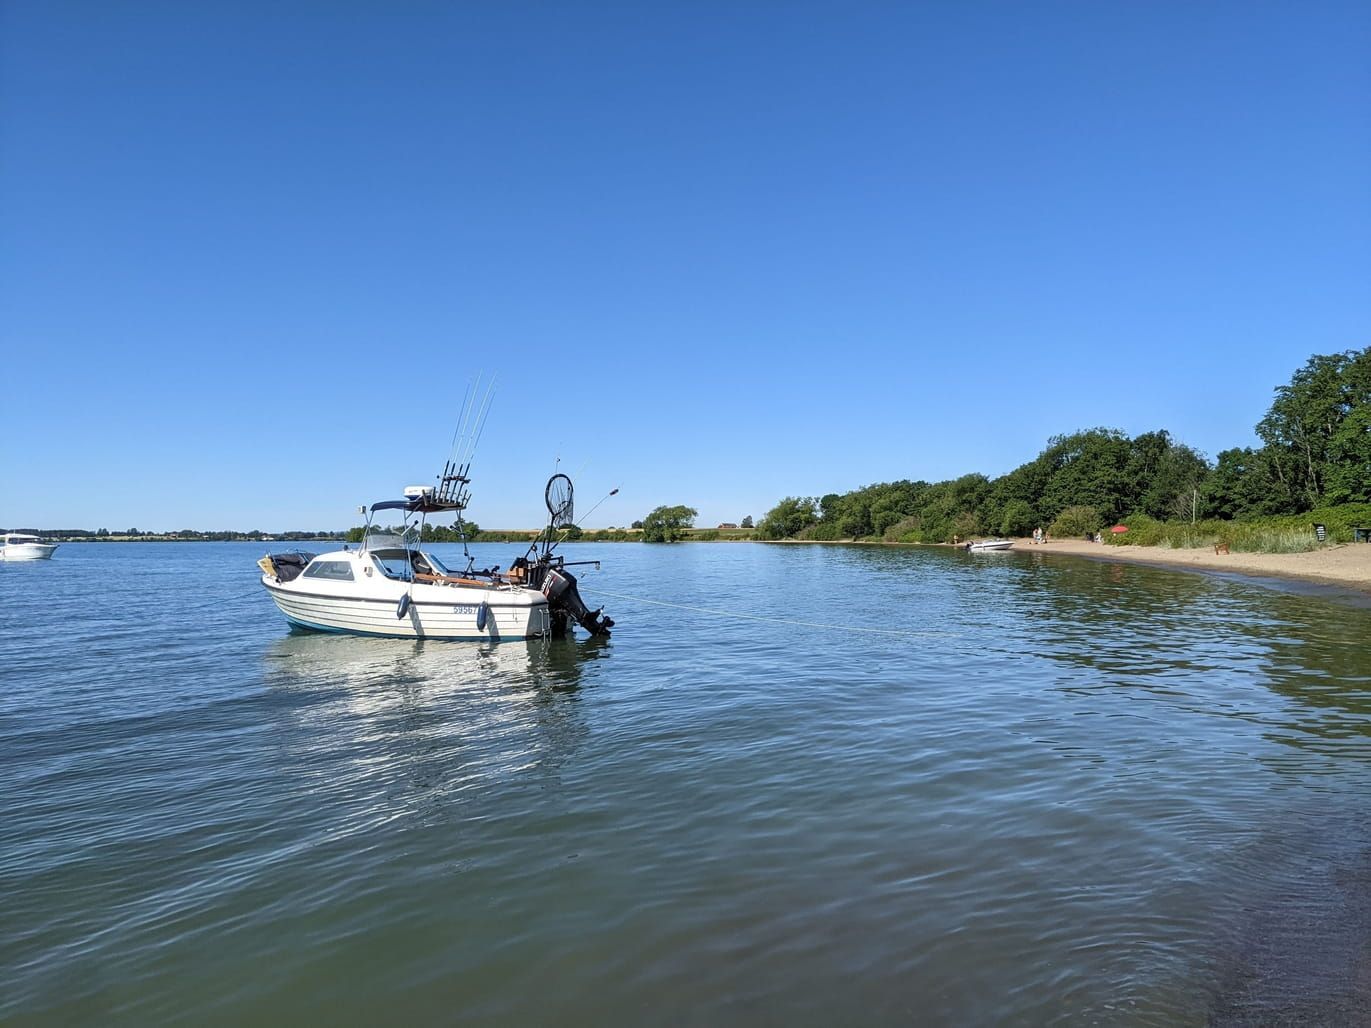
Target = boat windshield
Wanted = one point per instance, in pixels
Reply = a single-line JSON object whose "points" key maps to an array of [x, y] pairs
{"points": [[378, 541], [404, 564]]}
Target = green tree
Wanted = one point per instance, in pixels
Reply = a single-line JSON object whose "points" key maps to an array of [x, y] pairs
{"points": [[1180, 474], [1146, 454], [1307, 417], [789, 518], [1087, 468], [668, 524], [1244, 483], [1018, 518], [856, 524], [1349, 474], [747, 521], [1316, 449]]}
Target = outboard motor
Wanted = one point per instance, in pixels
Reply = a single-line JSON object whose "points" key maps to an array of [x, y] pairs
{"points": [[564, 599]]}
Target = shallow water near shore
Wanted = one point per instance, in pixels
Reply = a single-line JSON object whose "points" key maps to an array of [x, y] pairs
{"points": [[999, 787]]}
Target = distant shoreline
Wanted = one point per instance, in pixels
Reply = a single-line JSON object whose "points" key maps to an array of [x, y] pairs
{"points": [[1347, 565], [102, 540]]}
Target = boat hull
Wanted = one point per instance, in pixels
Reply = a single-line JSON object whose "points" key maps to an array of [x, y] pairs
{"points": [[27, 551], [433, 612]]}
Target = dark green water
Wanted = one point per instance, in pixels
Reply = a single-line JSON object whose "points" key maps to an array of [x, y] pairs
{"points": [[1073, 792]]}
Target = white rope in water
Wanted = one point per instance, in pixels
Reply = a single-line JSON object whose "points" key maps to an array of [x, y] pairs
{"points": [[774, 621]]}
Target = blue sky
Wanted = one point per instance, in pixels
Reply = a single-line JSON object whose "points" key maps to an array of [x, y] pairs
{"points": [[252, 254]]}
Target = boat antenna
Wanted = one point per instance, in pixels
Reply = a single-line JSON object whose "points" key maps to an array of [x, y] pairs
{"points": [[366, 530]]}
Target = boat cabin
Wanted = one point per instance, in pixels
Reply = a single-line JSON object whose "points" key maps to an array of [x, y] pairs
{"points": [[394, 559]]}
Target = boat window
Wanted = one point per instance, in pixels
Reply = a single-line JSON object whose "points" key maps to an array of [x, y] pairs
{"points": [[338, 570]]}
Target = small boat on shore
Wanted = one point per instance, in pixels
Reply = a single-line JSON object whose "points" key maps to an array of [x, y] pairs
{"points": [[19, 546], [989, 545]]}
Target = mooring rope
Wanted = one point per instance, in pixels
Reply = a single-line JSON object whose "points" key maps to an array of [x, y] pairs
{"points": [[772, 620]]}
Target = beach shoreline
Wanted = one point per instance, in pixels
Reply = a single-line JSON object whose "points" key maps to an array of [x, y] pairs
{"points": [[1346, 566]]}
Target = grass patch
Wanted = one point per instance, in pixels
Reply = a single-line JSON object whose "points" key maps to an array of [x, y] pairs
{"points": [[1284, 534]]}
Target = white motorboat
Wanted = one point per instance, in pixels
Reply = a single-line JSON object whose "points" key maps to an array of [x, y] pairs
{"points": [[18, 546], [391, 586], [989, 545]]}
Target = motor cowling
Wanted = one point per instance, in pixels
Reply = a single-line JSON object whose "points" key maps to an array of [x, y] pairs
{"points": [[565, 599]]}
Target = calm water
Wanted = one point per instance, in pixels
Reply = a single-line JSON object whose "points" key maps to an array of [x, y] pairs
{"points": [[1073, 791]]}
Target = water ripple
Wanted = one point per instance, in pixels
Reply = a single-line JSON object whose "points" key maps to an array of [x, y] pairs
{"points": [[1079, 795]]}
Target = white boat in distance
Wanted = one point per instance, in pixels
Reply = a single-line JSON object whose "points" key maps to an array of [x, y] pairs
{"points": [[989, 545], [18, 546], [389, 586]]}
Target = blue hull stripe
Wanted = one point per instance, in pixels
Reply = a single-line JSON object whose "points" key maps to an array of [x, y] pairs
{"points": [[539, 602], [387, 635]]}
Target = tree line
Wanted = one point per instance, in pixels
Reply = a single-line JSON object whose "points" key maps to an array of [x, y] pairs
{"points": [[77, 535], [1315, 451]]}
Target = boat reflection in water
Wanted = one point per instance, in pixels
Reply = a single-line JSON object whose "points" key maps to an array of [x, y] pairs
{"points": [[418, 727]]}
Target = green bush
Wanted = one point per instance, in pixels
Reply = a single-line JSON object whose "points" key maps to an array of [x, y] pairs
{"points": [[1075, 522], [906, 530], [825, 531], [1292, 533], [1142, 531], [1018, 518], [1338, 520], [965, 525]]}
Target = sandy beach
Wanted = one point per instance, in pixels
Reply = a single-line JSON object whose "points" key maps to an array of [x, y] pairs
{"points": [[1347, 565]]}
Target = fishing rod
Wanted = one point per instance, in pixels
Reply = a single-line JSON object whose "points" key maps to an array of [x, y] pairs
{"points": [[562, 537], [463, 417], [485, 416], [456, 428], [478, 423], [612, 492]]}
